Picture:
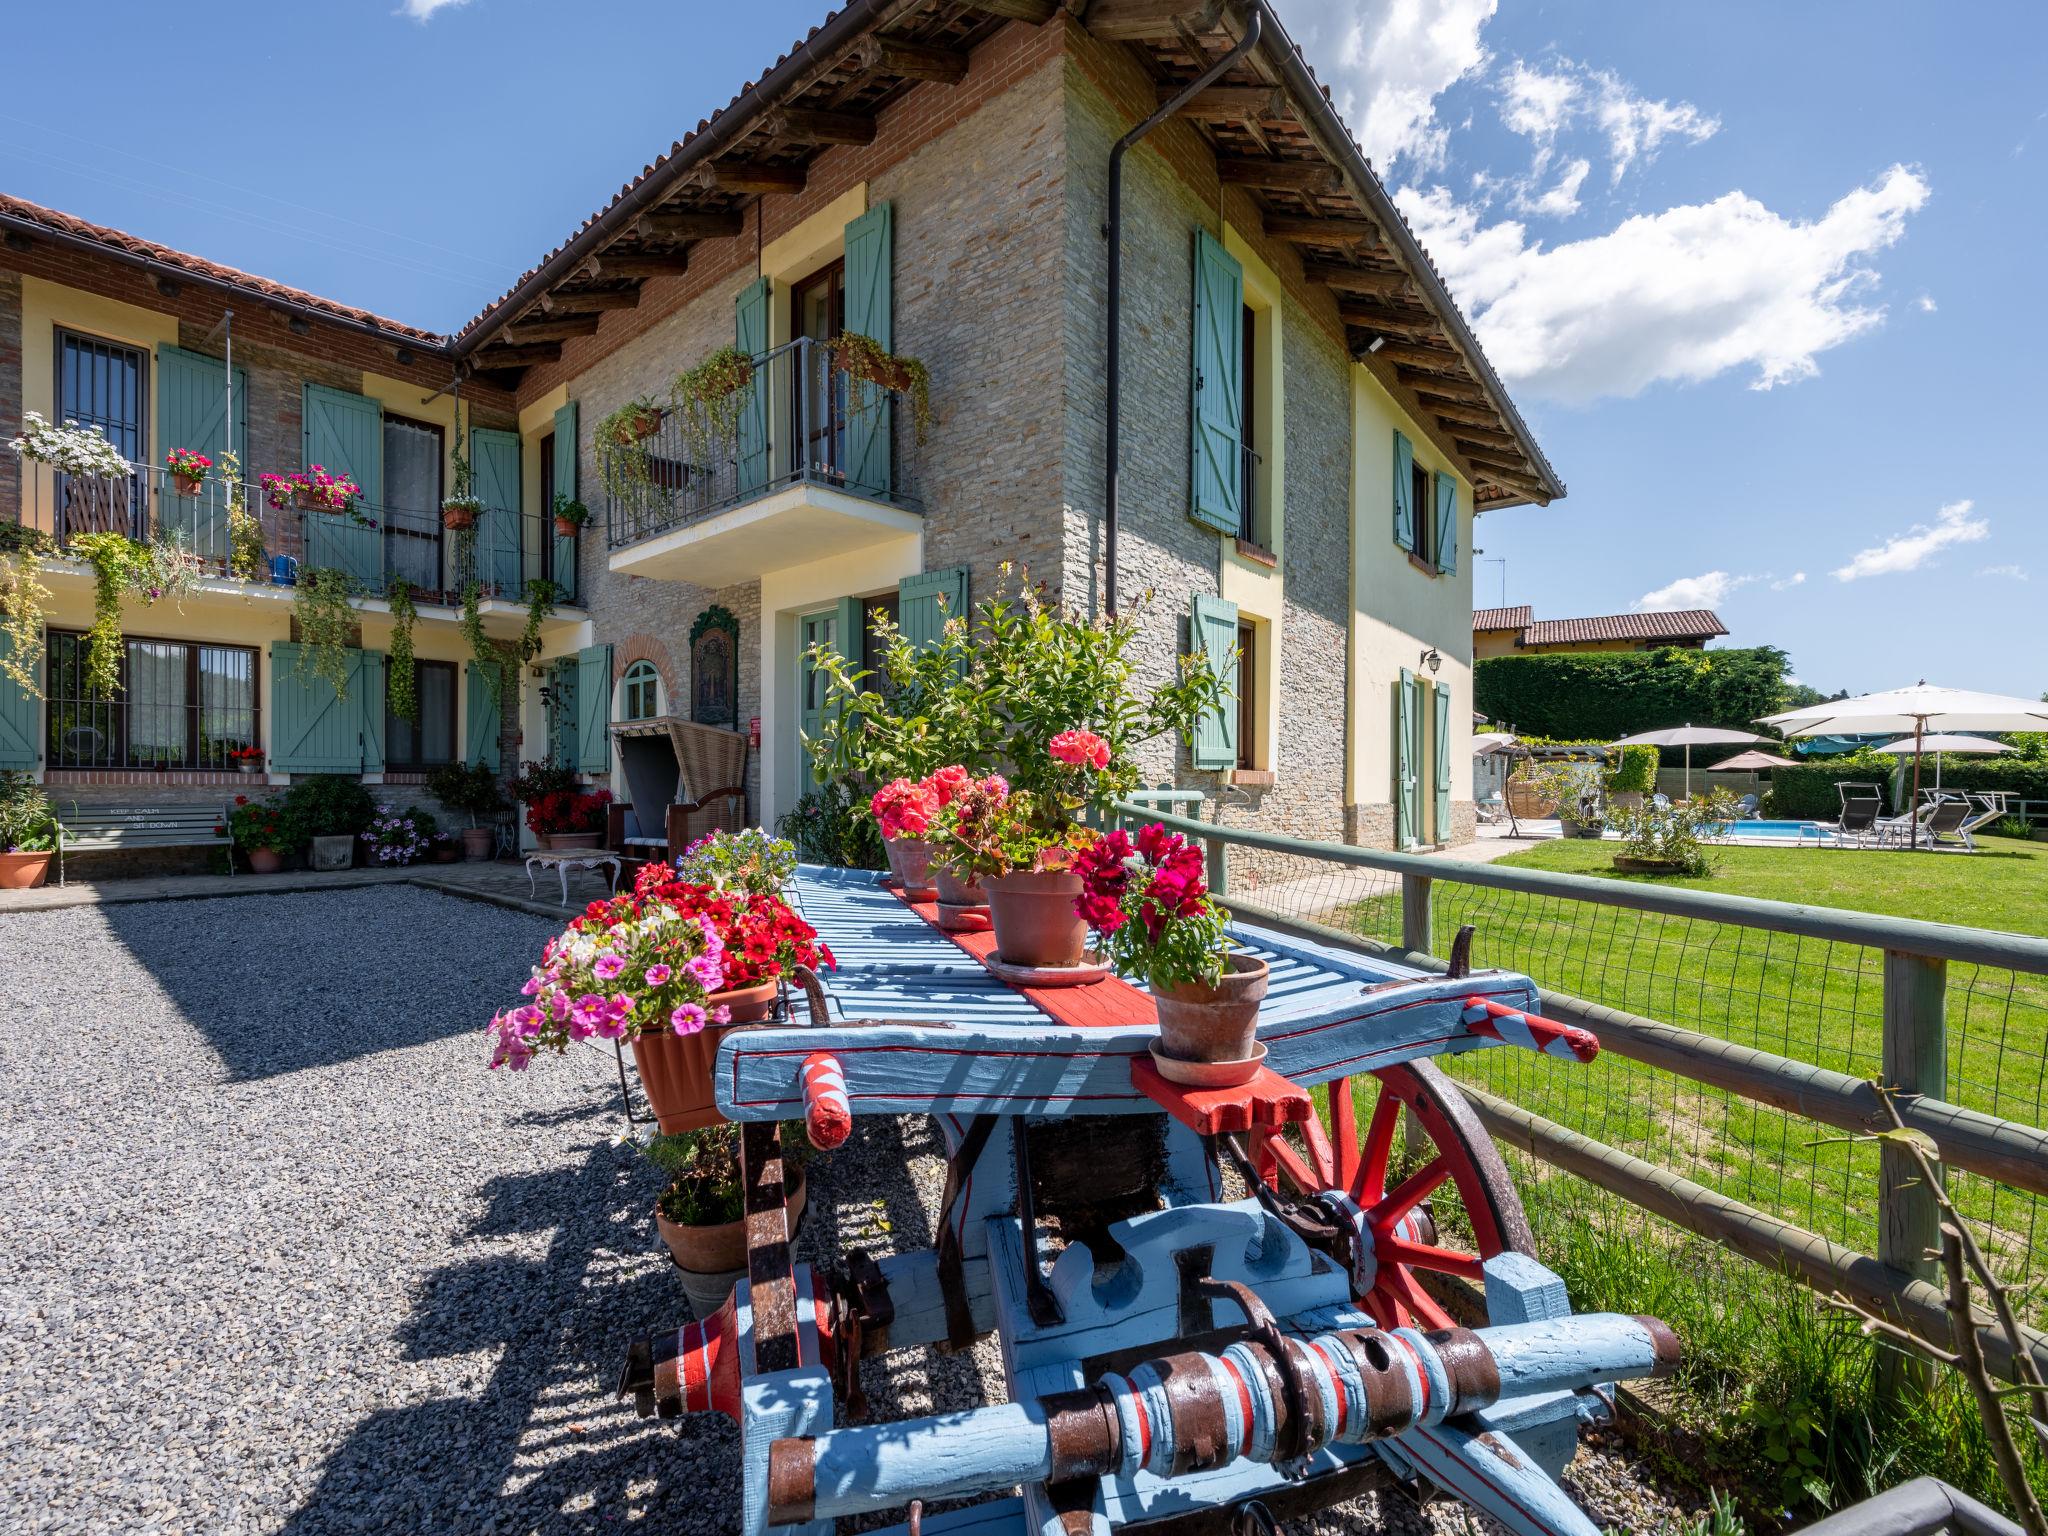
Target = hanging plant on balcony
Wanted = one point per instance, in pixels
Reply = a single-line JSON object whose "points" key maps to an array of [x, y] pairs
{"points": [[570, 515], [490, 661], [188, 467], [461, 507], [866, 361], [73, 449], [402, 689], [245, 534], [112, 558], [326, 624], [540, 602], [315, 490], [621, 443], [709, 399], [24, 601]]}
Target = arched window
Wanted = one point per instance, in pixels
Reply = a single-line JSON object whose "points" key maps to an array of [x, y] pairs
{"points": [[640, 692]]}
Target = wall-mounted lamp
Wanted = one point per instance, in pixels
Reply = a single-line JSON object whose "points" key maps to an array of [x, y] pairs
{"points": [[1434, 660], [1370, 347]]}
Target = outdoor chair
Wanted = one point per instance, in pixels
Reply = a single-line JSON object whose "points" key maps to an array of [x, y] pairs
{"points": [[1906, 831], [1746, 808], [1979, 812], [1660, 801], [1857, 823]]}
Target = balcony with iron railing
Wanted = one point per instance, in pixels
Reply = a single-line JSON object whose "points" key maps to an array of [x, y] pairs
{"points": [[807, 463], [375, 544]]}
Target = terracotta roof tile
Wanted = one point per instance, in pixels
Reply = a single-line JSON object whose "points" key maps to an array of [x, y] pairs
{"points": [[198, 266], [1682, 624], [1502, 618]]}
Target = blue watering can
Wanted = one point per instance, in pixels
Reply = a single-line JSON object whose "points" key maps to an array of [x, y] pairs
{"points": [[284, 571]]}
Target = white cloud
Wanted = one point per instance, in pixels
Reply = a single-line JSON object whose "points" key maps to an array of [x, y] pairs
{"points": [[1636, 127], [1387, 63], [1912, 549], [1684, 294], [423, 10], [1704, 591], [1543, 102], [1926, 303], [1560, 200], [1537, 103], [2014, 572], [1795, 579]]}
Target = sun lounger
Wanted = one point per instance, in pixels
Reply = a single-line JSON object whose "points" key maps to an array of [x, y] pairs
{"points": [[1857, 823]]}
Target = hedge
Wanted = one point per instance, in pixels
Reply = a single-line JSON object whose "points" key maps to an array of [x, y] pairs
{"points": [[1575, 695], [1637, 773], [1808, 791]]}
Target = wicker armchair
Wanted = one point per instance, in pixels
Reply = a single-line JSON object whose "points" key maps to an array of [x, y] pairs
{"points": [[691, 779]]}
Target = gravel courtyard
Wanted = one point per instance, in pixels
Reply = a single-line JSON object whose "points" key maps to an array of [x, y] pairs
{"points": [[284, 1257]]}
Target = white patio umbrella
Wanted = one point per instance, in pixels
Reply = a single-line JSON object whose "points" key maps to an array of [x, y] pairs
{"points": [[1940, 743], [1688, 737], [1920, 709]]}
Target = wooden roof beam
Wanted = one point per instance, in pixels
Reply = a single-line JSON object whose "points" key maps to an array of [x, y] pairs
{"points": [[1331, 274], [555, 328], [496, 356], [1459, 414], [689, 224], [610, 264], [1389, 322], [749, 179], [1133, 21], [1478, 439], [1229, 103], [1282, 175], [1334, 231], [1419, 357], [801, 125], [913, 61], [1037, 12], [622, 298], [1449, 389]]}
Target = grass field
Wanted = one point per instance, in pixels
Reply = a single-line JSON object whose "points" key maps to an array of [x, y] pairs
{"points": [[1774, 1377]]}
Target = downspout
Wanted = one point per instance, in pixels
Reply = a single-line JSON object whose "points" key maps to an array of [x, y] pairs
{"points": [[1113, 231]]}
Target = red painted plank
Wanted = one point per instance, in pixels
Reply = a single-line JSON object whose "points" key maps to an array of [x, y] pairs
{"points": [[1111, 1003], [1268, 1099]]}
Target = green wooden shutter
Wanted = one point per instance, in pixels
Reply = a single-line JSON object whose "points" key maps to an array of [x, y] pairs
{"points": [[853, 629], [750, 330], [871, 311], [925, 601], [312, 728], [1214, 627], [344, 434], [479, 719], [20, 717], [1446, 523], [495, 458], [1217, 481], [594, 708], [564, 562], [1443, 763], [192, 412], [1404, 493], [1404, 761]]}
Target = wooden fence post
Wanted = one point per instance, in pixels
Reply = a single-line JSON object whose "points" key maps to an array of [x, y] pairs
{"points": [[1415, 928], [1915, 1062], [1218, 854]]}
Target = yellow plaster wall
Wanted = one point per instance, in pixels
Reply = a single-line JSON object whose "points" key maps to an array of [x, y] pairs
{"points": [[1398, 611], [785, 595], [46, 305]]}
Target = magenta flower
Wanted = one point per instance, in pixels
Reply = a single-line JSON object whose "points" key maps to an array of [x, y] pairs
{"points": [[608, 966], [687, 1018], [658, 975], [532, 987]]}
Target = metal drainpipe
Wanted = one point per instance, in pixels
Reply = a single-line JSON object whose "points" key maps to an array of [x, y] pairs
{"points": [[1113, 231]]}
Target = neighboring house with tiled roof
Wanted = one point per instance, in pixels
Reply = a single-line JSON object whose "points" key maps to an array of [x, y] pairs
{"points": [[1308, 430], [1517, 631]]}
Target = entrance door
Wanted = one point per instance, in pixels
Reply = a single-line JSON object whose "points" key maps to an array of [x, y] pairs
{"points": [[818, 311], [820, 628]]}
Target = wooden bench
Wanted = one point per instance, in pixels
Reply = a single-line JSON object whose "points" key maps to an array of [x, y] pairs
{"points": [[110, 828]]}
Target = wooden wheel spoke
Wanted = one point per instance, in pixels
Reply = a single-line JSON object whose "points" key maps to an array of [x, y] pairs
{"points": [[1344, 1133], [1320, 1154], [1411, 1192], [1279, 1156], [1369, 1181], [1445, 1261]]}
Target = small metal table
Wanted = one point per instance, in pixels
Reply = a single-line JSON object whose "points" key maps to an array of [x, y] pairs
{"points": [[562, 860]]}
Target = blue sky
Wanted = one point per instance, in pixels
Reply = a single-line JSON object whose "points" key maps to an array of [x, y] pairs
{"points": [[1765, 279]]}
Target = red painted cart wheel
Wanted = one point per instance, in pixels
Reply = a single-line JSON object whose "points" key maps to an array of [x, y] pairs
{"points": [[1459, 1161]]}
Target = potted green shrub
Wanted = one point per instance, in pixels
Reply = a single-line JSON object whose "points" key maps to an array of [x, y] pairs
{"points": [[1633, 777], [28, 832], [570, 515], [1671, 840], [472, 790], [332, 812], [266, 832], [701, 1213], [620, 440]]}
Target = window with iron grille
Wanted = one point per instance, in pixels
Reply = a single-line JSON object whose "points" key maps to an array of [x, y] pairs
{"points": [[431, 741], [103, 384], [179, 705]]}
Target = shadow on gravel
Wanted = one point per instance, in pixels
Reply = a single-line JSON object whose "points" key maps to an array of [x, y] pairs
{"points": [[541, 1444], [301, 980]]}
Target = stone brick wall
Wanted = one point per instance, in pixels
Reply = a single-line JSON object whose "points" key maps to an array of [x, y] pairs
{"points": [[10, 391]]}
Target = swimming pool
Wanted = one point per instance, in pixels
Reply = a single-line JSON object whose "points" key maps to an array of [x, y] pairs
{"points": [[1779, 831]]}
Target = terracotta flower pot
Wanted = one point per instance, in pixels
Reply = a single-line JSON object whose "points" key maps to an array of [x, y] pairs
{"points": [[446, 852], [457, 519], [24, 871], [713, 1258], [566, 528], [264, 861], [675, 1070], [186, 485], [956, 892], [1034, 918], [1219, 1023], [910, 859], [479, 843]]}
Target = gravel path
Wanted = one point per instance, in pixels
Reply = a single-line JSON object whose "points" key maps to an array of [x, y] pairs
{"points": [[285, 1258]]}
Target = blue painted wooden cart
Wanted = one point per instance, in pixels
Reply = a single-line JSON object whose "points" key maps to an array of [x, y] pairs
{"points": [[1215, 1311]]}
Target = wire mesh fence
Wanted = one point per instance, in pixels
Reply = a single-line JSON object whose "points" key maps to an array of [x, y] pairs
{"points": [[1810, 1000]]}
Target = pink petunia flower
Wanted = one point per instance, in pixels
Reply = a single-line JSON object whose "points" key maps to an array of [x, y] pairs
{"points": [[608, 966], [658, 975]]}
